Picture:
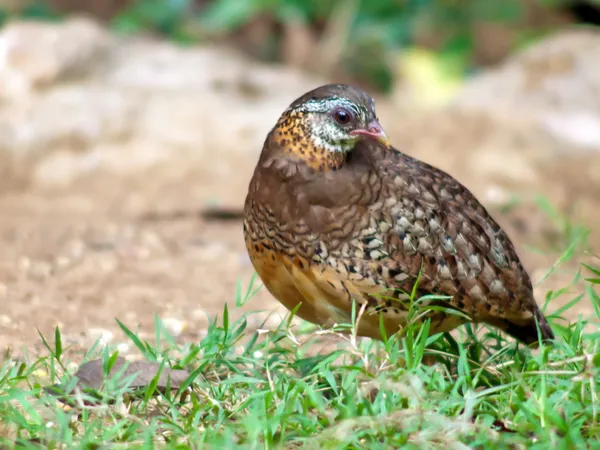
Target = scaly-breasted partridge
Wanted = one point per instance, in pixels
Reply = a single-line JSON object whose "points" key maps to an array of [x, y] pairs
{"points": [[335, 214]]}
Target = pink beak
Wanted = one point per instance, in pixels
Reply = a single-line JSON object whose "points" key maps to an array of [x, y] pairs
{"points": [[374, 131]]}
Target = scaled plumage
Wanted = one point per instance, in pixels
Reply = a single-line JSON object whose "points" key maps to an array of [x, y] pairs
{"points": [[334, 214]]}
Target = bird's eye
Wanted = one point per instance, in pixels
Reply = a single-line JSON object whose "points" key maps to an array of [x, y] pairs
{"points": [[342, 116]]}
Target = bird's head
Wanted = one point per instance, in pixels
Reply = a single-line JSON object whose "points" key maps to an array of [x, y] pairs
{"points": [[323, 125]]}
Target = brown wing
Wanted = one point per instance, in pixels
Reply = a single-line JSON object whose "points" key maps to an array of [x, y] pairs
{"points": [[439, 226]]}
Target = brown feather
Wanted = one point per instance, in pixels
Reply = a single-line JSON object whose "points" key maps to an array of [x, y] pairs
{"points": [[325, 228]]}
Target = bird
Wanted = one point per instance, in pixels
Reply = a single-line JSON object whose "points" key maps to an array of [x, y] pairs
{"points": [[335, 215]]}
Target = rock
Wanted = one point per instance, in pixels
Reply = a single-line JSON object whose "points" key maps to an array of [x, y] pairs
{"points": [[102, 335], [5, 321], [553, 83], [34, 55], [125, 373], [174, 326], [80, 101]]}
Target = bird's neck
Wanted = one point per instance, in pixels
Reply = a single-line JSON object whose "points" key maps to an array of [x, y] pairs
{"points": [[291, 139]]}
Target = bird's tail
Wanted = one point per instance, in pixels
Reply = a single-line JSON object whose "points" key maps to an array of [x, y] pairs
{"points": [[528, 332]]}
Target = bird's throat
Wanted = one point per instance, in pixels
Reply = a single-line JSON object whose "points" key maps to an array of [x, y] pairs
{"points": [[292, 138]]}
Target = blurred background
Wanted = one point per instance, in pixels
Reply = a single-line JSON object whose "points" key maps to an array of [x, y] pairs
{"points": [[331, 37], [129, 130]]}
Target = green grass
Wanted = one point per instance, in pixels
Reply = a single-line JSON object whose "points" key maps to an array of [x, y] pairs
{"points": [[267, 390]]}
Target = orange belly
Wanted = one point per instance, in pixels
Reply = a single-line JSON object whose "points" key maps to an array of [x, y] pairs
{"points": [[292, 287], [325, 298]]}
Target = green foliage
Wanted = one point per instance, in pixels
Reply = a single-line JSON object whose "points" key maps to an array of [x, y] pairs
{"points": [[376, 29], [167, 17], [36, 10]]}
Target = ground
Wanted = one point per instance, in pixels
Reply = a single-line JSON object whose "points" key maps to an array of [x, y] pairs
{"points": [[128, 244], [133, 248], [81, 258]]}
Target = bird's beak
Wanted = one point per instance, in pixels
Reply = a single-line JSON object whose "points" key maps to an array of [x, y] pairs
{"points": [[375, 131]]}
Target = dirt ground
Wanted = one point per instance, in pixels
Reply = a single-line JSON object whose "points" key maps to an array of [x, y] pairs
{"points": [[129, 244], [81, 258], [132, 248]]}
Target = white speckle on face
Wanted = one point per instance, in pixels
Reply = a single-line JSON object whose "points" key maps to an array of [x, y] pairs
{"points": [[324, 144], [327, 105], [325, 132]]}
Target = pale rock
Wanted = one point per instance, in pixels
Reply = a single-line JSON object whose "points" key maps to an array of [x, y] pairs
{"points": [[100, 334], [496, 195], [553, 83], [123, 347], [174, 326], [125, 105], [36, 54], [5, 320], [581, 128]]}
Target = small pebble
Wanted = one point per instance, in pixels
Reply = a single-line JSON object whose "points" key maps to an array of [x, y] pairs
{"points": [[40, 270], [24, 264], [175, 326], [496, 195], [123, 347], [5, 320], [199, 314], [76, 249], [152, 241], [62, 262], [100, 334]]}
